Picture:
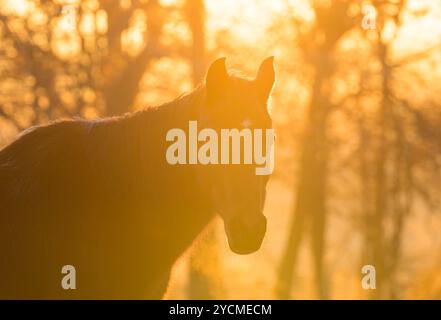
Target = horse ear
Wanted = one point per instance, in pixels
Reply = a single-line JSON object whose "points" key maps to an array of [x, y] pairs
{"points": [[266, 77], [217, 77]]}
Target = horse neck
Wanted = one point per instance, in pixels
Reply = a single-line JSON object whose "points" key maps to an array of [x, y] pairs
{"points": [[145, 134], [175, 193]]}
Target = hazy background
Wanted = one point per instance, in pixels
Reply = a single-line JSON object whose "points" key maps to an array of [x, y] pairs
{"points": [[357, 114]]}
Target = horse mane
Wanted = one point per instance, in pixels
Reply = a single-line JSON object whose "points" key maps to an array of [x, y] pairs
{"points": [[127, 142]]}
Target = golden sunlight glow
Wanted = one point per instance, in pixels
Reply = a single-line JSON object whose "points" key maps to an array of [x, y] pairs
{"points": [[16, 7], [370, 118]]}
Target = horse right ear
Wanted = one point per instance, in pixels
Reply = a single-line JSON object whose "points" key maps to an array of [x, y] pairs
{"points": [[217, 77]]}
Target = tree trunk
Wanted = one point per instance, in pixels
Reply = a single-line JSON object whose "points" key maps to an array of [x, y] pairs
{"points": [[380, 181], [122, 73], [309, 211]]}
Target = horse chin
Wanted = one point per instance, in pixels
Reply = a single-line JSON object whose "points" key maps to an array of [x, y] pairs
{"points": [[243, 250], [243, 240]]}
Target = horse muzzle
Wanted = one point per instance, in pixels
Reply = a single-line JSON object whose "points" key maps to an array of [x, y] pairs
{"points": [[245, 237]]}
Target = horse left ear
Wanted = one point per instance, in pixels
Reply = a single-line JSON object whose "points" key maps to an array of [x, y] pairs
{"points": [[266, 77], [217, 78]]}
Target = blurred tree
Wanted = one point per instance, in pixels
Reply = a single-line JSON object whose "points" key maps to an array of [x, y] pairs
{"points": [[397, 135], [79, 58], [121, 71], [404, 140], [318, 45]]}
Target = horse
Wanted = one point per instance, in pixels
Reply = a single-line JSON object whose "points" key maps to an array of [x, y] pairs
{"points": [[99, 195]]}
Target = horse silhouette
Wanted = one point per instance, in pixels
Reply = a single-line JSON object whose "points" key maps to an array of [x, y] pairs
{"points": [[100, 196]]}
